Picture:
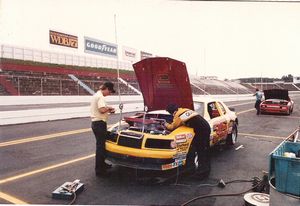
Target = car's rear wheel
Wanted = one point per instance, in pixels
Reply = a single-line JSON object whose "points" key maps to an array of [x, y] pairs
{"points": [[232, 138]]}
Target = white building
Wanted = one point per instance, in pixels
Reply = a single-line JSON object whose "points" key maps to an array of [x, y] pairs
{"points": [[296, 80]]}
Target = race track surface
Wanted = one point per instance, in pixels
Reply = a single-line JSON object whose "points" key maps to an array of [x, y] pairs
{"points": [[36, 158]]}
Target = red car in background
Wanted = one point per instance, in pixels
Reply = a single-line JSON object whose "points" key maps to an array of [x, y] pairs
{"points": [[277, 101]]}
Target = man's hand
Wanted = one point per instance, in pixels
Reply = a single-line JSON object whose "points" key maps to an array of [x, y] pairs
{"points": [[106, 109], [165, 125], [111, 110]]}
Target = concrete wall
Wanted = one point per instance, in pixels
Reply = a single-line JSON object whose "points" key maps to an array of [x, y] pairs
{"points": [[26, 100]]}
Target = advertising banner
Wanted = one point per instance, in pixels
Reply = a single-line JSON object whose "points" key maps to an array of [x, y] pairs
{"points": [[95, 46], [129, 54], [145, 55], [62, 39]]}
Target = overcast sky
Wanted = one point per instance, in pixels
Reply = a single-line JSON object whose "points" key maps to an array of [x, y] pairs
{"points": [[225, 39]]}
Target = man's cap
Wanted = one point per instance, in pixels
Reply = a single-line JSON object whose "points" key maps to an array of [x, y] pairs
{"points": [[171, 108], [109, 86]]}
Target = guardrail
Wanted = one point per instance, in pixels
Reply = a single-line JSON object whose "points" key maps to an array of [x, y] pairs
{"points": [[131, 103], [30, 54]]}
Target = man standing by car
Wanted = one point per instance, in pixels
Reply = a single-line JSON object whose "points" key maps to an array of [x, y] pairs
{"points": [[190, 118], [99, 116], [258, 96]]}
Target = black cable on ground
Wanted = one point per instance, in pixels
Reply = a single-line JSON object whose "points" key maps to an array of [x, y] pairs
{"points": [[238, 181], [220, 195], [74, 198], [221, 183]]}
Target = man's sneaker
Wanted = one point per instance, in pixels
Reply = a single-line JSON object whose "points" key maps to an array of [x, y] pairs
{"points": [[107, 166]]}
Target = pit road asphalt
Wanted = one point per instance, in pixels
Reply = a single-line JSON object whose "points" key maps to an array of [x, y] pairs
{"points": [[61, 151]]}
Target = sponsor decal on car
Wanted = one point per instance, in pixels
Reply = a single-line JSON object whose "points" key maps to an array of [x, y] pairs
{"points": [[182, 147], [172, 165], [180, 138], [180, 156], [189, 135], [166, 167]]}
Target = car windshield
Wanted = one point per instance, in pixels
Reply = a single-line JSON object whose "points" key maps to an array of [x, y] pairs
{"points": [[199, 108]]}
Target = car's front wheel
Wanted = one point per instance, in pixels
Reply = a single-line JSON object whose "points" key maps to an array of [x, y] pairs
{"points": [[192, 160], [232, 138]]}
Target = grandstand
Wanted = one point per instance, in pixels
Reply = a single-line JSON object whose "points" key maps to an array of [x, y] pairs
{"points": [[215, 86], [25, 71], [32, 78], [273, 85], [18, 78]]}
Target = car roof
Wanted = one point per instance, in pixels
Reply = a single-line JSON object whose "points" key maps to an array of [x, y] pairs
{"points": [[206, 99]]}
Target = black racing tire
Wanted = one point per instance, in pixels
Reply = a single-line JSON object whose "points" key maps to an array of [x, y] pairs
{"points": [[192, 162], [232, 138]]}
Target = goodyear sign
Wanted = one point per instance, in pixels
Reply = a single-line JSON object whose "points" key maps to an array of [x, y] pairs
{"points": [[62, 39], [95, 46]]}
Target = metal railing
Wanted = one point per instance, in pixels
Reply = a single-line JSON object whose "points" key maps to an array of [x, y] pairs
{"points": [[30, 54]]}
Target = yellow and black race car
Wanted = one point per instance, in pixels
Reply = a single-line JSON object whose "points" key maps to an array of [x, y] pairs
{"points": [[142, 142]]}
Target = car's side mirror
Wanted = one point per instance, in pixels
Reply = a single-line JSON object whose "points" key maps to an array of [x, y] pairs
{"points": [[231, 109]]}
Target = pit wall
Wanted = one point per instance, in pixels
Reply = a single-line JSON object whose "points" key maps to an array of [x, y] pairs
{"points": [[9, 116], [30, 100]]}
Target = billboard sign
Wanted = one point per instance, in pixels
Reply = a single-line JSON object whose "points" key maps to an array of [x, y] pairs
{"points": [[145, 55], [95, 46], [63, 39], [129, 54]]}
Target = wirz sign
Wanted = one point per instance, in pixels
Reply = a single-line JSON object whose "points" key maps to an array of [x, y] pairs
{"points": [[62, 39]]}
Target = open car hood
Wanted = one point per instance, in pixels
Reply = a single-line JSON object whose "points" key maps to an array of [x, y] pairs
{"points": [[163, 81], [277, 94]]}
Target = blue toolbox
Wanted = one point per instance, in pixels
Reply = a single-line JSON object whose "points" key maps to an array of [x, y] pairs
{"points": [[286, 167]]}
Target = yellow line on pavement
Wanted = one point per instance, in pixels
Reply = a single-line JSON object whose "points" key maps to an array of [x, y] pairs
{"points": [[288, 117], [249, 110], [43, 137], [259, 135], [268, 136], [45, 169], [12, 199]]}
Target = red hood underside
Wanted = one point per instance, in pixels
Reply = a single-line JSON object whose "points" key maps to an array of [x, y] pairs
{"points": [[277, 94], [163, 81]]}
